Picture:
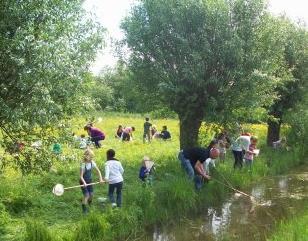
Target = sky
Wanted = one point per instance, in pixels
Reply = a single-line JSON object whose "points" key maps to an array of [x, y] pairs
{"points": [[110, 13]]}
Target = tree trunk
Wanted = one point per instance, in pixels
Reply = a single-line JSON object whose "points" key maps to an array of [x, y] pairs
{"points": [[273, 128], [189, 128]]}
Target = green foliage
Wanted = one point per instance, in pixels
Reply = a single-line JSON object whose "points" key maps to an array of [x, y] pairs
{"points": [[45, 49], [36, 231]]}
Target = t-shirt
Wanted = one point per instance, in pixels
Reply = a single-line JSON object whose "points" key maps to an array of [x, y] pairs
{"points": [[88, 165], [195, 154], [128, 130], [146, 126]]}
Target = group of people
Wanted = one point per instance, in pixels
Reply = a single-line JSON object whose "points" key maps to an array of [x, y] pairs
{"points": [[196, 161], [113, 176], [150, 132]]}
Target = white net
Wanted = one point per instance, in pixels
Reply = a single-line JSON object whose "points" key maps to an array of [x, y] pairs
{"points": [[58, 190]]}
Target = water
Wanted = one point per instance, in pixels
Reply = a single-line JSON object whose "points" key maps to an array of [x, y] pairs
{"points": [[238, 218]]}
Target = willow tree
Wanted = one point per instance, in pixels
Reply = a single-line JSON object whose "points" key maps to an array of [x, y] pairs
{"points": [[292, 89], [45, 48], [200, 56]]}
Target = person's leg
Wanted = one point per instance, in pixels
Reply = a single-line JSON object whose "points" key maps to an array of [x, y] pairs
{"points": [[90, 191], [186, 165], [96, 141], [240, 159], [235, 158], [110, 192], [119, 187]]}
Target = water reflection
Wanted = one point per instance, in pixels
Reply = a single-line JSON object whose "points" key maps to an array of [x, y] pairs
{"points": [[237, 219]]}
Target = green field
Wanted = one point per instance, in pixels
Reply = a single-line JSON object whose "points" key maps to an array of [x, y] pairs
{"points": [[29, 199]]}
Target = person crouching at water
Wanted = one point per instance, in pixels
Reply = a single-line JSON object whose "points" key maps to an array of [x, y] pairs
{"points": [[114, 175], [192, 160], [86, 177]]}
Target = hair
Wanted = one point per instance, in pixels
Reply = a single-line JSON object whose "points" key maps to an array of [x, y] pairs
{"points": [[88, 154], [147, 119], [133, 128], [164, 127], [120, 126], [212, 143], [82, 135], [110, 154]]}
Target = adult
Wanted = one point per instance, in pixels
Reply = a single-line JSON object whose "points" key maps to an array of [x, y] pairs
{"points": [[192, 160], [127, 134], [96, 134], [239, 147]]}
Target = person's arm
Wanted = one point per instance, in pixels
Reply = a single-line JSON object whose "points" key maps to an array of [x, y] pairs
{"points": [[200, 170], [107, 171], [121, 169], [99, 174]]}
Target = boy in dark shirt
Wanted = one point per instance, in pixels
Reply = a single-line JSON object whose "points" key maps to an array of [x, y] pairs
{"points": [[146, 130], [165, 134]]}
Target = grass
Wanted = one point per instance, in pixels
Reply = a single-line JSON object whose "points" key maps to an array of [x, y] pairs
{"points": [[294, 229], [29, 199]]}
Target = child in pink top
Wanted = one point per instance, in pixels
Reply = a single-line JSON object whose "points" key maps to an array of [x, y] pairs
{"points": [[249, 154]]}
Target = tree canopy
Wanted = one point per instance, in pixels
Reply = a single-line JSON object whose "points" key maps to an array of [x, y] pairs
{"points": [[204, 57], [45, 49]]}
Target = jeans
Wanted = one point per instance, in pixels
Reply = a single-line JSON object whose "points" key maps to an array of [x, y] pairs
{"points": [[118, 186], [186, 165]]}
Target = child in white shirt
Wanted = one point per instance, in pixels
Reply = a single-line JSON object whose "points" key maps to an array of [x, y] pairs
{"points": [[114, 175]]}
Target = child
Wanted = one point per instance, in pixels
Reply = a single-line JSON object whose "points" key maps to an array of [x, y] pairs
{"points": [[154, 133], [128, 134], [147, 130], [119, 132], [86, 177], [249, 154], [146, 170], [114, 175], [83, 142], [165, 134], [207, 163]]}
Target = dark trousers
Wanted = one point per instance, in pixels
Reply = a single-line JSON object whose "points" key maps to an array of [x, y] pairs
{"points": [[96, 140], [238, 159], [118, 187]]}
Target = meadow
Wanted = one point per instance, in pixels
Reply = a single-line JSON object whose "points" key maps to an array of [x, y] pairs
{"points": [[29, 210]]}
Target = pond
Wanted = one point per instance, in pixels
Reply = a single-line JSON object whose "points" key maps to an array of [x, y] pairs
{"points": [[238, 218]]}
